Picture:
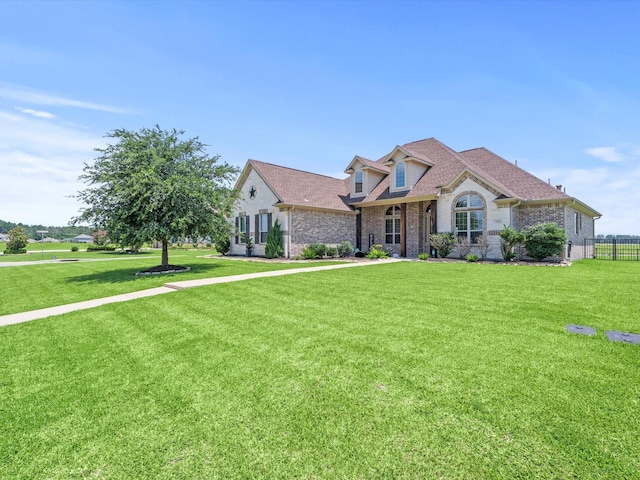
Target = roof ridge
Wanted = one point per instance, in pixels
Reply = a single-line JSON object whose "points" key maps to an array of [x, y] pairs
{"points": [[418, 141], [252, 160]]}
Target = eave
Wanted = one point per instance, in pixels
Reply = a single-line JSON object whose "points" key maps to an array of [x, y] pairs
{"points": [[568, 201], [293, 206], [394, 201]]}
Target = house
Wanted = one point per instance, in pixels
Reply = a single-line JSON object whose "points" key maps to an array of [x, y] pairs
{"points": [[82, 238], [417, 189]]}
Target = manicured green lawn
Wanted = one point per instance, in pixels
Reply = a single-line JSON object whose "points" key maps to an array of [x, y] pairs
{"points": [[32, 287], [404, 370], [63, 250]]}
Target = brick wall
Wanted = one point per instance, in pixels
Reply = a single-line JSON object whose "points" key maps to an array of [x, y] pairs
{"points": [[525, 215], [373, 223], [331, 228]]}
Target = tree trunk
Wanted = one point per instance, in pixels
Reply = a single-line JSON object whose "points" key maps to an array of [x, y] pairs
{"points": [[165, 253]]}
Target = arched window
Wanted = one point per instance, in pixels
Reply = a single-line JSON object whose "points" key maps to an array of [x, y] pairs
{"points": [[469, 211], [359, 181], [392, 225], [400, 174]]}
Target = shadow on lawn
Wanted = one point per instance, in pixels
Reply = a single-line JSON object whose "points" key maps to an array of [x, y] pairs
{"points": [[129, 275]]}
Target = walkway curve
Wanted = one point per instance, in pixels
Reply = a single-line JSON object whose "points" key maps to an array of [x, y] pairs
{"points": [[167, 288]]}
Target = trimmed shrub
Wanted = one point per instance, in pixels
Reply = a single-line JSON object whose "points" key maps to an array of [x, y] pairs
{"points": [[74, 248], [510, 238], [472, 257], [332, 252], [274, 247], [101, 248], [345, 249], [308, 253], [376, 251], [544, 240], [443, 242], [15, 252], [319, 249], [223, 244], [423, 256]]}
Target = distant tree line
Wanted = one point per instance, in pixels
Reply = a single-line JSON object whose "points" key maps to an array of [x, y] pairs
{"points": [[59, 233], [617, 237]]}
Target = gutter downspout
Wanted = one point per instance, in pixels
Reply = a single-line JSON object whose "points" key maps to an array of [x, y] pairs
{"points": [[511, 212]]}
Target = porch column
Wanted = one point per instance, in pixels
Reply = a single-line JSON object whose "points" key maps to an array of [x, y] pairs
{"points": [[359, 229], [403, 229]]}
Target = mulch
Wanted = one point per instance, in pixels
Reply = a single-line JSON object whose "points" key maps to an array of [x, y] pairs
{"points": [[160, 269]]}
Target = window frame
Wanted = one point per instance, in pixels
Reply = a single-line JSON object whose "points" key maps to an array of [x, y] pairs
{"points": [[398, 172], [358, 187], [264, 222], [469, 213], [392, 225], [242, 228]]}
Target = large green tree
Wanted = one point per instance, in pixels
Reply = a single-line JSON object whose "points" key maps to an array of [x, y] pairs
{"points": [[153, 185], [18, 240]]}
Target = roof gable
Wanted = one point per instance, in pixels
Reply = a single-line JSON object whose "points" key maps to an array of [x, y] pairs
{"points": [[510, 178], [365, 163], [405, 155], [300, 188]]}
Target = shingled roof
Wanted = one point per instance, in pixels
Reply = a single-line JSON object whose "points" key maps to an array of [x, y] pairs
{"points": [[300, 188], [448, 165], [305, 189]]}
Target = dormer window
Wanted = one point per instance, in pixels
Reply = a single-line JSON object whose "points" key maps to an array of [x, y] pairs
{"points": [[400, 175], [358, 181]]}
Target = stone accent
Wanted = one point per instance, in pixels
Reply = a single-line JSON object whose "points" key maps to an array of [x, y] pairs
{"points": [[477, 180]]}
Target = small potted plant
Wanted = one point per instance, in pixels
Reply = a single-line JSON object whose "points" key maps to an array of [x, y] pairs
{"points": [[249, 246]]}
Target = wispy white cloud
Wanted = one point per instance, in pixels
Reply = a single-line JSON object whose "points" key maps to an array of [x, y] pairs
{"points": [[611, 190], [40, 163], [36, 113], [608, 154], [36, 97]]}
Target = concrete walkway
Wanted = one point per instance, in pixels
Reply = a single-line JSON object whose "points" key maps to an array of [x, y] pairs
{"points": [[167, 288]]}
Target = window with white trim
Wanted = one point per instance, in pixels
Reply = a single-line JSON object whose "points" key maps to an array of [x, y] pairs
{"points": [[400, 175], [358, 179], [469, 215], [392, 225]]}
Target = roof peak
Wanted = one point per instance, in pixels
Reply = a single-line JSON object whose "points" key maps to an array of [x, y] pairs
{"points": [[253, 161]]}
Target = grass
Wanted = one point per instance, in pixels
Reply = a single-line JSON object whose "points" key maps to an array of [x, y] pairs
{"points": [[31, 287], [404, 370], [63, 250]]}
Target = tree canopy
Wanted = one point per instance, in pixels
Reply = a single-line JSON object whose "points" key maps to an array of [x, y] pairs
{"points": [[152, 185], [18, 240]]}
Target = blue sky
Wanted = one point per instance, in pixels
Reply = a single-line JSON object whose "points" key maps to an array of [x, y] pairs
{"points": [[553, 85]]}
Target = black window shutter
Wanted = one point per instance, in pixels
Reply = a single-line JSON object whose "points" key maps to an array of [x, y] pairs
{"points": [[237, 229], [257, 235], [247, 225], [269, 223]]}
